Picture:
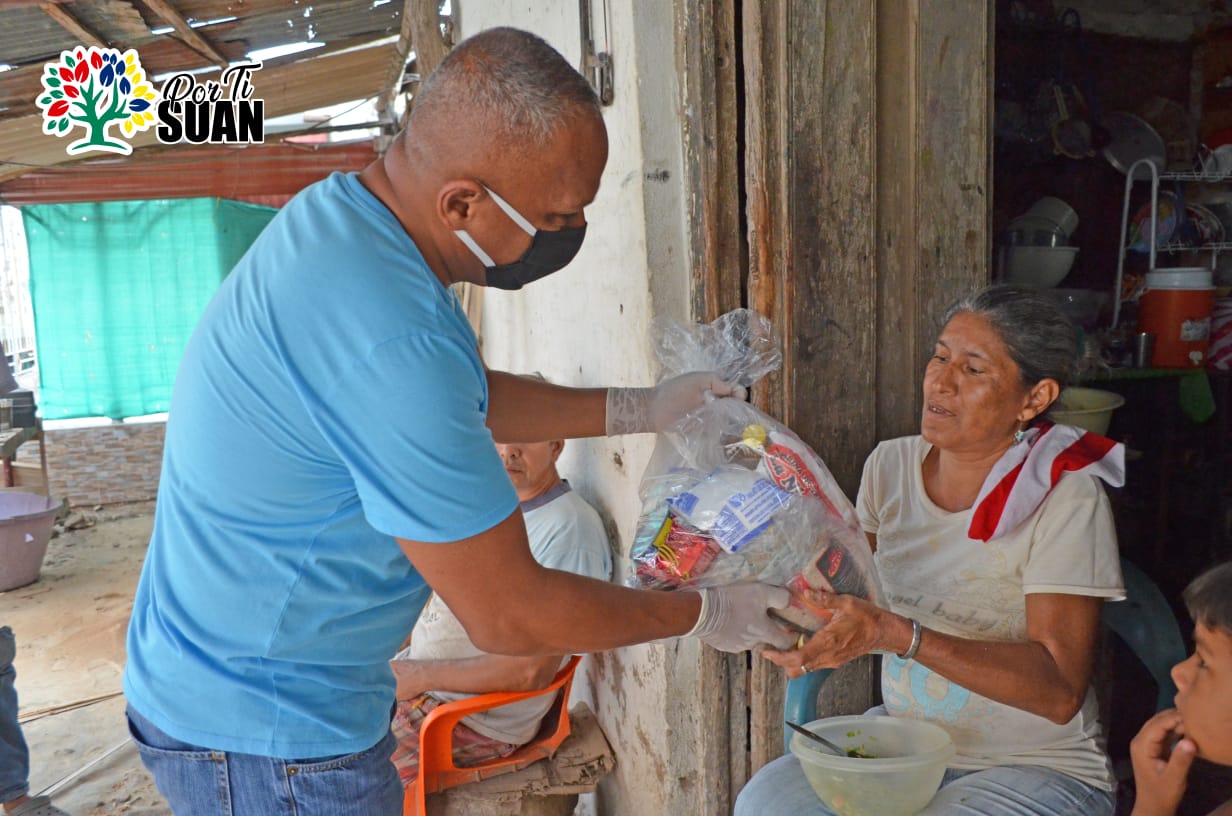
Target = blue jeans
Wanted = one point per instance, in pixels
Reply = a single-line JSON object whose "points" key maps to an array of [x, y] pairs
{"points": [[198, 781], [14, 755], [1018, 790]]}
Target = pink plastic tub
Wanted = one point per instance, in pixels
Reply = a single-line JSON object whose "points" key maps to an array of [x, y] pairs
{"points": [[26, 520]]}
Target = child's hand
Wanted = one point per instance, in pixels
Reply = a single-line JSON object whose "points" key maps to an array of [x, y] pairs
{"points": [[1161, 768]]}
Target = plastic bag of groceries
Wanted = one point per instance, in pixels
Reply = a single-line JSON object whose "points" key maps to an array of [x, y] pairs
{"points": [[731, 495]]}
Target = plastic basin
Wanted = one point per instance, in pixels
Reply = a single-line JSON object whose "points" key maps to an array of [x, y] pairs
{"points": [[1089, 408], [904, 773], [26, 520]]}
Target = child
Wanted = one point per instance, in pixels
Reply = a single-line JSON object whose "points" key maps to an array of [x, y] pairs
{"points": [[1202, 719]]}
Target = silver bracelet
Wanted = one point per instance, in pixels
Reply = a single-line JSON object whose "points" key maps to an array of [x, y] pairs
{"points": [[916, 632]]}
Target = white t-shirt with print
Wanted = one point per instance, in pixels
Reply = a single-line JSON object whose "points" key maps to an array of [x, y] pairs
{"points": [[933, 572], [565, 533]]}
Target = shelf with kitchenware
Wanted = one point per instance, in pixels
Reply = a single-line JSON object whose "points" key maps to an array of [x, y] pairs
{"points": [[1194, 175], [1183, 227], [1209, 246]]}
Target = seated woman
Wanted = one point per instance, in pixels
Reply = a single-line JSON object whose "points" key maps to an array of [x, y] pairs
{"points": [[994, 601]]}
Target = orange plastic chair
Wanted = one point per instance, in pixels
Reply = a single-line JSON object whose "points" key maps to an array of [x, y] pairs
{"points": [[436, 768]]}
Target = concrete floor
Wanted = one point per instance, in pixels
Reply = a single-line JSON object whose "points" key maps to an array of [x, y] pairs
{"points": [[70, 627]]}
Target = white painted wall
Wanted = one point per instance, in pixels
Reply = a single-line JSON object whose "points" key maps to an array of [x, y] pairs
{"points": [[588, 325]]}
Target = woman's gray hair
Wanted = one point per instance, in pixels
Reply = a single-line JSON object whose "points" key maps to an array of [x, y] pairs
{"points": [[1040, 339], [1209, 598], [511, 81]]}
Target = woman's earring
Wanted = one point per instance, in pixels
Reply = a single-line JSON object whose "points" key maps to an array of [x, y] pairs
{"points": [[1020, 435]]}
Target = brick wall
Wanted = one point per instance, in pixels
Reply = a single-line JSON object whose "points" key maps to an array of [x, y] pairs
{"points": [[103, 465]]}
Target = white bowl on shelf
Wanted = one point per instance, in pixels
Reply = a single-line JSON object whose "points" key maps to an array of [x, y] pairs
{"points": [[1039, 267], [1055, 211]]}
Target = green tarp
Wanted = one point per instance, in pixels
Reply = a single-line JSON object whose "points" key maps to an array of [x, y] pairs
{"points": [[117, 288]]}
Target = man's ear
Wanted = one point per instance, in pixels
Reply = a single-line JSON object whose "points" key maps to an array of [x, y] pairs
{"points": [[455, 200], [1043, 394], [558, 445]]}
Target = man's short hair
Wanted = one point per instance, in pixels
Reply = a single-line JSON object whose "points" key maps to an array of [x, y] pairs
{"points": [[520, 87]]}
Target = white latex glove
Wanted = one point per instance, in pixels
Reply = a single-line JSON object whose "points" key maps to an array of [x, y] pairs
{"points": [[650, 410], [733, 618]]}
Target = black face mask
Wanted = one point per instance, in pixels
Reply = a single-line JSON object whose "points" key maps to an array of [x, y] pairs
{"points": [[549, 251]]}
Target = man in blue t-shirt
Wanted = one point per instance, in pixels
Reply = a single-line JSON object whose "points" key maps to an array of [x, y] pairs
{"points": [[329, 450]]}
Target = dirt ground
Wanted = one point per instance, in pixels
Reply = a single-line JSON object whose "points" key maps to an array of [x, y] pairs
{"points": [[70, 627]]}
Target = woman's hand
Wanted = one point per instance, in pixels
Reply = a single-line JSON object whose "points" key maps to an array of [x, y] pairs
{"points": [[856, 628], [1161, 769]]}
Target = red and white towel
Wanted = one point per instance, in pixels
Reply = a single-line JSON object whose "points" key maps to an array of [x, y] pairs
{"points": [[1027, 472], [1220, 355]]}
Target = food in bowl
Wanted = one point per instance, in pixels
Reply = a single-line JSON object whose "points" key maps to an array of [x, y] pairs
{"points": [[897, 772]]}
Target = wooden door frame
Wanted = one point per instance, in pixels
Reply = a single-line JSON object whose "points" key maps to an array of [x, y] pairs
{"points": [[710, 71], [840, 185]]}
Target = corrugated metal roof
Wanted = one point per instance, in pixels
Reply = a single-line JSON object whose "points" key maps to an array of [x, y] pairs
{"points": [[306, 85], [312, 22], [31, 36], [260, 173], [28, 35]]}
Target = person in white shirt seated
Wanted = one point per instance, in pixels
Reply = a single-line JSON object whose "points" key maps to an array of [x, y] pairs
{"points": [[441, 664], [995, 544]]}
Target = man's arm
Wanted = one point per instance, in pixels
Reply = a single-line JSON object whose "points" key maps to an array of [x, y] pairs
{"points": [[474, 675], [542, 611], [526, 410]]}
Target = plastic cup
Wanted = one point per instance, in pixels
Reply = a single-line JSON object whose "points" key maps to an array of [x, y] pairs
{"points": [[1144, 347]]}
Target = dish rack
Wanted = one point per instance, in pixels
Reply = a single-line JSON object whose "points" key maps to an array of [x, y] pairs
{"points": [[1142, 170]]}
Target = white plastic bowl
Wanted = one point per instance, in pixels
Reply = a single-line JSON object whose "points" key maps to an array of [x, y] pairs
{"points": [[26, 521], [1089, 408], [1040, 267], [1056, 211], [904, 775]]}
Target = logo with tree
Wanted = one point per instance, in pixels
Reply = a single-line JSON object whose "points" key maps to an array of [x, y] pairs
{"points": [[94, 89]]}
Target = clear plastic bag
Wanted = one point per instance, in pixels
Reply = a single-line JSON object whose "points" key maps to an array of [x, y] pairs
{"points": [[731, 495]]}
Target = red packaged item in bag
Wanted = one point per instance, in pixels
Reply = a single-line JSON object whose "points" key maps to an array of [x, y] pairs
{"points": [[680, 556]]}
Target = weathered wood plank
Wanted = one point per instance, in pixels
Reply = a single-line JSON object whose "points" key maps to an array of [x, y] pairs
{"points": [[897, 241], [712, 156], [765, 144], [832, 277], [954, 146], [707, 29], [766, 66]]}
